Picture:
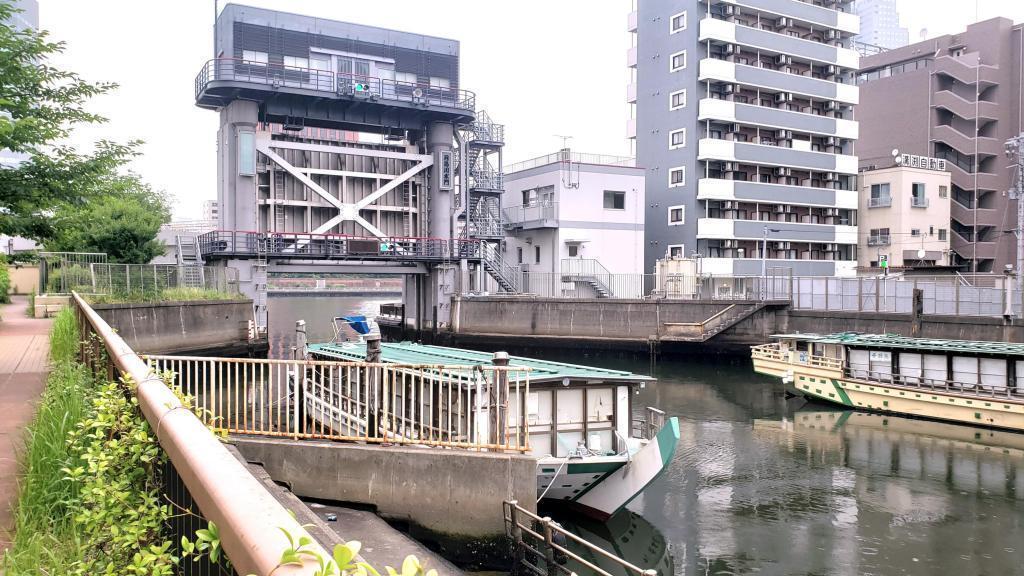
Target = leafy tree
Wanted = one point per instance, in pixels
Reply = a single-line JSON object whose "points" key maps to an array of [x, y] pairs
{"points": [[39, 105], [121, 219]]}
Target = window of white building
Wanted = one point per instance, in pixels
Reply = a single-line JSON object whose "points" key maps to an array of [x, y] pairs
{"points": [[677, 61], [677, 177], [676, 215], [675, 251], [677, 139], [677, 23], [296, 62], [677, 100], [614, 200]]}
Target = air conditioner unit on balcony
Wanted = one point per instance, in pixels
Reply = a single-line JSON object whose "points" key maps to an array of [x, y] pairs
{"points": [[728, 243], [783, 245], [730, 205], [784, 134], [730, 49], [783, 22], [830, 177], [831, 141], [729, 167], [781, 97], [831, 211], [833, 35], [831, 105], [780, 171], [832, 69], [782, 60], [734, 128], [732, 10], [728, 88], [831, 247], [780, 209]]}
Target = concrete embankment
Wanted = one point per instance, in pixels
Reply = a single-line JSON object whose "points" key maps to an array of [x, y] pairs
{"points": [[451, 499], [640, 325], [207, 327]]}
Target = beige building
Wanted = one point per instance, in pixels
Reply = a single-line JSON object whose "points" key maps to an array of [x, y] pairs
{"points": [[904, 214]]}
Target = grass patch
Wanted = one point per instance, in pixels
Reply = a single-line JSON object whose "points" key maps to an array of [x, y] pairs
{"points": [[165, 295], [44, 529]]}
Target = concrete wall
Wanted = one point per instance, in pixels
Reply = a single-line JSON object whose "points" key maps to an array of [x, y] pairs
{"points": [[24, 280], [578, 318], [171, 327], [628, 324], [451, 497]]}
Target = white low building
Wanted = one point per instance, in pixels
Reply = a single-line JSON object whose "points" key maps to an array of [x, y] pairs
{"points": [[573, 213]]}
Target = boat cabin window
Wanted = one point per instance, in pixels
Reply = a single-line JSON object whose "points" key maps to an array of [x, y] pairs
{"points": [[562, 418]]}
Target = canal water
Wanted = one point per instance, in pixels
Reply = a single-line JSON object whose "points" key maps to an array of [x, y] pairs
{"points": [[769, 485]]}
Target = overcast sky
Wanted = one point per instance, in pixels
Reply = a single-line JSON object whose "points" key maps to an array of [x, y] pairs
{"points": [[541, 67]]}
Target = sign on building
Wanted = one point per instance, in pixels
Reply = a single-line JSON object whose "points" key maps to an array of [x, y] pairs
{"points": [[446, 170]]}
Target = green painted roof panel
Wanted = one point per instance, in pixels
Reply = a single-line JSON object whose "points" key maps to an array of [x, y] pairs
{"points": [[413, 353]]}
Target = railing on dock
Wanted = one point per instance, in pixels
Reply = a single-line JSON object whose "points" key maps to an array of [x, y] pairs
{"points": [[542, 547], [200, 476], [471, 407]]}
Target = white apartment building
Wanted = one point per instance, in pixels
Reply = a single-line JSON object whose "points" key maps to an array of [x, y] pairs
{"points": [[570, 213], [904, 216]]}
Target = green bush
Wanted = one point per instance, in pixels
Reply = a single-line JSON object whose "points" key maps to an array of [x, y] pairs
{"points": [[5, 281]]}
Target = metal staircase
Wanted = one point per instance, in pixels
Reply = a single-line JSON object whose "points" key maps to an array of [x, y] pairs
{"points": [[590, 272], [508, 276], [190, 262]]}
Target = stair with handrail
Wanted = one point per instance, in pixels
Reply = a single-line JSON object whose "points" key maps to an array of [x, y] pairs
{"points": [[508, 277], [588, 271], [711, 326], [190, 262]]}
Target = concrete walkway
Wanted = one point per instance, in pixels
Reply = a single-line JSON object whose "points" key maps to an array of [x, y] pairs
{"points": [[24, 349]]}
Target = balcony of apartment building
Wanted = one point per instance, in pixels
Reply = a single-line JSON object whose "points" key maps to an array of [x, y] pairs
{"points": [[737, 104], [721, 224], [780, 35], [727, 181], [974, 243], [802, 258], [732, 64], [966, 173], [879, 237], [779, 148], [966, 68], [531, 216], [952, 135], [950, 99], [779, 13], [984, 210]]}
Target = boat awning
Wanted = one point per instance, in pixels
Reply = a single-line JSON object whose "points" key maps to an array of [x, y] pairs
{"points": [[413, 353], [895, 341]]}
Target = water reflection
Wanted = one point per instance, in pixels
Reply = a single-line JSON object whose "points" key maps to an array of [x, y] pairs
{"points": [[626, 535], [764, 484]]}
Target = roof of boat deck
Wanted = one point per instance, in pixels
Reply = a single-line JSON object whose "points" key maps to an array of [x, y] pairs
{"points": [[895, 341], [413, 353]]}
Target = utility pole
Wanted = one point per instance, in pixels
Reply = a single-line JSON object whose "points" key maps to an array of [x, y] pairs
{"points": [[1015, 152]]}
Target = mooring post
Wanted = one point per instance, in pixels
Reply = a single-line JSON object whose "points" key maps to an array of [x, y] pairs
{"points": [[497, 397], [373, 389], [549, 546], [299, 350]]}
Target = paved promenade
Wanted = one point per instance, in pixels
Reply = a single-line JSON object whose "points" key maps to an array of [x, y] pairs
{"points": [[24, 347]]}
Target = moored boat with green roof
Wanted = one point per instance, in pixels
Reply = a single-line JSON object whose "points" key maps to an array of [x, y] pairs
{"points": [[595, 452], [968, 381]]}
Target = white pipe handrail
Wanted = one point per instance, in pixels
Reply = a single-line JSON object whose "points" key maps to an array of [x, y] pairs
{"points": [[249, 519]]}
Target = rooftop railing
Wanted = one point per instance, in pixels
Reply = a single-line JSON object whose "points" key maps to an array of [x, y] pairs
{"points": [[326, 81], [568, 156]]}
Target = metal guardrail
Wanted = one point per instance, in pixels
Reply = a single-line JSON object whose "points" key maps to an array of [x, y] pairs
{"points": [[880, 202], [540, 212], [229, 243], [251, 522], [542, 546], [881, 240], [275, 76], [916, 202], [468, 407]]}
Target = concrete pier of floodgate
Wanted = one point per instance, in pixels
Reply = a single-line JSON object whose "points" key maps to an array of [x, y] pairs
{"points": [[719, 325], [449, 499]]}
